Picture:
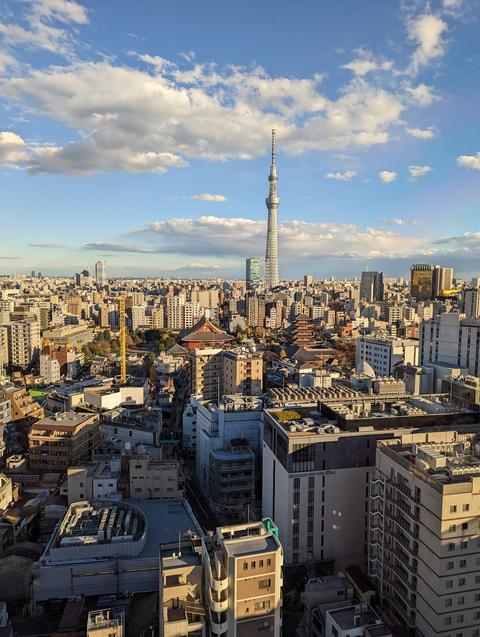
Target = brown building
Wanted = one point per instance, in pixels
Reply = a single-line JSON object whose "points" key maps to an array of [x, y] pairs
{"points": [[64, 440], [21, 403], [243, 373], [205, 334]]}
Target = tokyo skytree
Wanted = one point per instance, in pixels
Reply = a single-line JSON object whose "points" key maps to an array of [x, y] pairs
{"points": [[272, 201]]}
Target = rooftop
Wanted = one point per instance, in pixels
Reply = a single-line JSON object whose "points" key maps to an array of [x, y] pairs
{"points": [[355, 616], [67, 420]]}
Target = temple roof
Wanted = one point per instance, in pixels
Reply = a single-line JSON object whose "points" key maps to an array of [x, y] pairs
{"points": [[205, 331]]}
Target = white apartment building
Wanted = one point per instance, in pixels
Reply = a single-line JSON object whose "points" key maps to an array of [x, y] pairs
{"points": [[138, 316], [24, 342], [453, 340], [49, 369], [424, 547], [384, 353]]}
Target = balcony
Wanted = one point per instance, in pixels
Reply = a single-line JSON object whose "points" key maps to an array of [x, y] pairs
{"points": [[219, 606]]}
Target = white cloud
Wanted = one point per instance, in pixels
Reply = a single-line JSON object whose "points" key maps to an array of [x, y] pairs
{"points": [[207, 196], [422, 95], [451, 4], [345, 176], [365, 62], [421, 133], [417, 172], [387, 176], [130, 119], [232, 237], [13, 149], [426, 31], [41, 32], [469, 161]]}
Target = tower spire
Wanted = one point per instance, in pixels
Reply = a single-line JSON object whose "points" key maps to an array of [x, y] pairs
{"points": [[272, 203]]}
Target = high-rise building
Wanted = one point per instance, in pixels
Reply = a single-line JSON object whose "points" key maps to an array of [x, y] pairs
{"points": [[371, 286], [24, 342], [423, 531], [101, 273], [471, 302], [422, 281], [242, 373], [252, 275], [272, 201]]}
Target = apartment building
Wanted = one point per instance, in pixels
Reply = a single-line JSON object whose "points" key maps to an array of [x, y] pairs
{"points": [[242, 372], [107, 622], [453, 340], [6, 491], [182, 606], [49, 369], [384, 353], [64, 440], [24, 342], [206, 372], [94, 481], [424, 552], [243, 569], [22, 405]]}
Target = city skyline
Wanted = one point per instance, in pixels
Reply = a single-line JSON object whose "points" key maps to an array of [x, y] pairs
{"points": [[164, 172]]}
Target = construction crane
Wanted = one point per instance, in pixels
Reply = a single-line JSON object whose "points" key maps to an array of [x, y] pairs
{"points": [[123, 340]]}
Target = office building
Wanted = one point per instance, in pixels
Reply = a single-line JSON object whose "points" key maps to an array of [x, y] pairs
{"points": [[422, 281], [371, 286], [24, 343], [109, 548], [228, 452], [64, 440], [272, 202], [94, 481], [316, 466], [423, 531], [243, 568], [101, 273], [383, 354], [252, 275], [471, 302], [150, 479]]}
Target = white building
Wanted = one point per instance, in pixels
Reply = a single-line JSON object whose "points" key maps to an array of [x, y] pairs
{"points": [[471, 303], [384, 353], [452, 340], [49, 369]]}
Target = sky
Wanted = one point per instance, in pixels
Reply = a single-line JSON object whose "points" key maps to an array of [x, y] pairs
{"points": [[139, 133]]}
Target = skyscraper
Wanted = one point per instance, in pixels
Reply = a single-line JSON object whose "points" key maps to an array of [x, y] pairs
{"points": [[371, 286], [272, 201], [101, 273], [252, 274], [422, 281]]}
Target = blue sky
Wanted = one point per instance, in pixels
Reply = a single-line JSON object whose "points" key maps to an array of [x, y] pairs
{"points": [[139, 133]]}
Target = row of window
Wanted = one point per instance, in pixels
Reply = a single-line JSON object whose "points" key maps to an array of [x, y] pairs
{"points": [[253, 564]]}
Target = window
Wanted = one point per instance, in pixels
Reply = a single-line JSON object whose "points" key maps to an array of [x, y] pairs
{"points": [[451, 546], [264, 605], [265, 583], [448, 602], [269, 562], [449, 583], [464, 526], [476, 615], [477, 579], [459, 619], [464, 544], [460, 600], [466, 507], [461, 581], [447, 621], [254, 564], [452, 528], [463, 563], [477, 597], [453, 508], [449, 566], [260, 563], [245, 566]]}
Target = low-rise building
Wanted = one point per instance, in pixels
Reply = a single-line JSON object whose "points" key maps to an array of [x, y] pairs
{"points": [[22, 405], [62, 441], [107, 622], [149, 479], [94, 481]]}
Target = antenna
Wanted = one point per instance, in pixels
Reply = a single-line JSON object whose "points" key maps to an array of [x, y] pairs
{"points": [[274, 132]]}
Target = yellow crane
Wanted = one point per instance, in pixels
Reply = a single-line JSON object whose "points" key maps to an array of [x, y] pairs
{"points": [[123, 339]]}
